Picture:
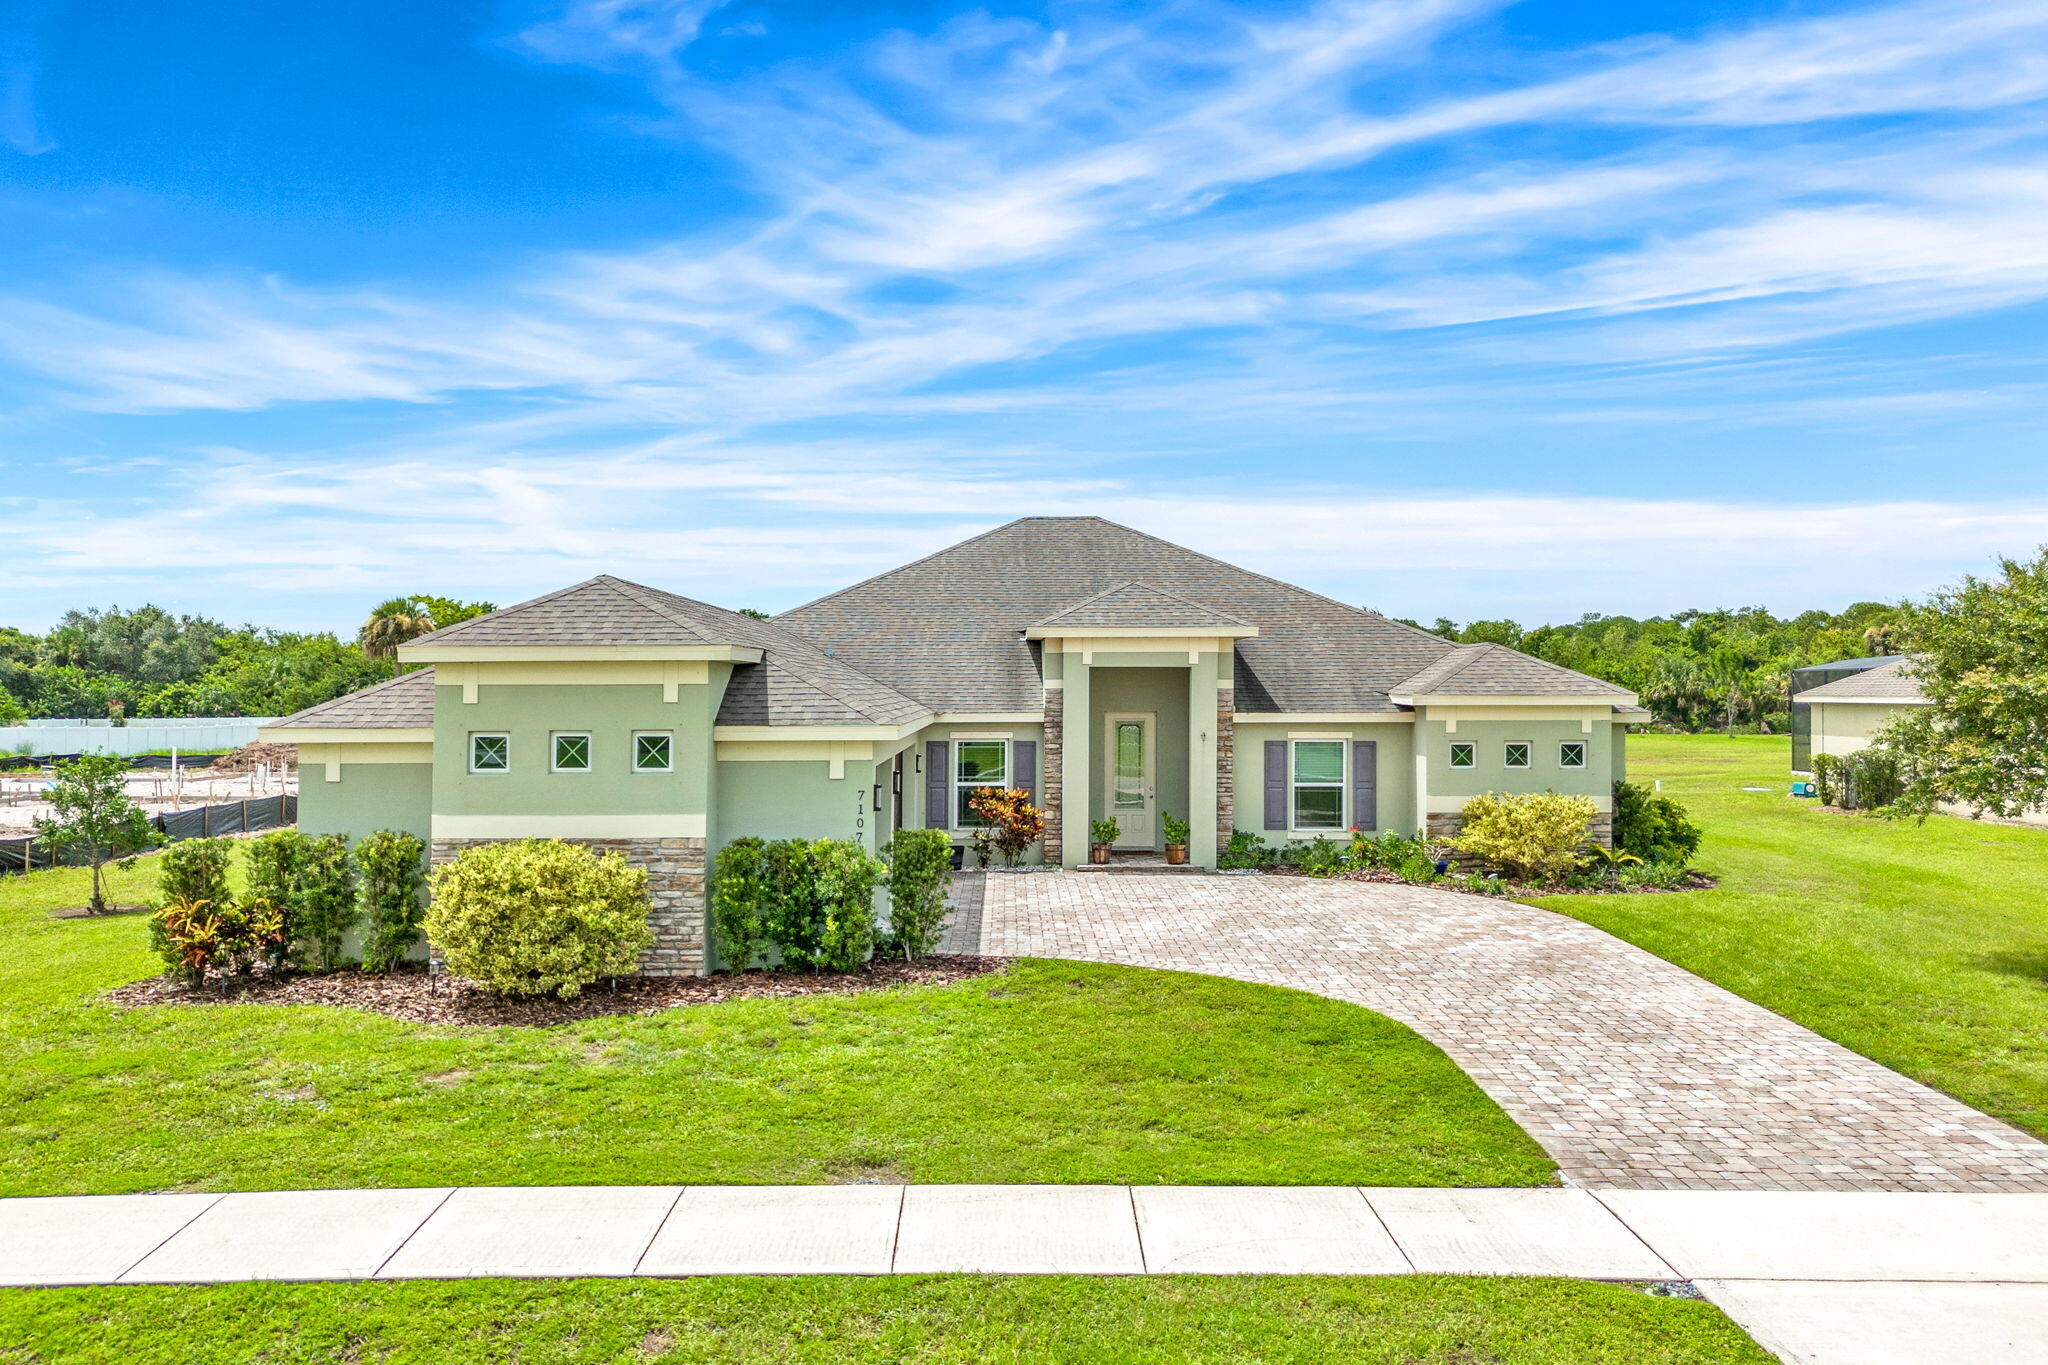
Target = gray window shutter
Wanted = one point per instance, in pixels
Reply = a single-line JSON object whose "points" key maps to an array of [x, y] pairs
{"points": [[1024, 766], [1276, 784], [938, 784], [1365, 784]]}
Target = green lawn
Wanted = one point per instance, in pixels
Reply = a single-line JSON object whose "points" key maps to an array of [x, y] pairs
{"points": [[1049, 1072], [1410, 1320], [1924, 946]]}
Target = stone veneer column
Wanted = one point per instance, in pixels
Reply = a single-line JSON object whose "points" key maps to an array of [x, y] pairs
{"points": [[675, 892], [1050, 797]]}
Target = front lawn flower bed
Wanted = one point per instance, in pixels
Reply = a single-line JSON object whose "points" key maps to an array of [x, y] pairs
{"points": [[1537, 844], [417, 998]]}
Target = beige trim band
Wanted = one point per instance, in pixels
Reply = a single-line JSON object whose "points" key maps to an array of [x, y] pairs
{"points": [[568, 826]]}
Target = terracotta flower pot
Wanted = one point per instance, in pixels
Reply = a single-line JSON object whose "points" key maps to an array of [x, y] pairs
{"points": [[1098, 853], [1176, 854]]}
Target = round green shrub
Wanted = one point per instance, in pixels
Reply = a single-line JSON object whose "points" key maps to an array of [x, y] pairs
{"points": [[1653, 826], [538, 916]]}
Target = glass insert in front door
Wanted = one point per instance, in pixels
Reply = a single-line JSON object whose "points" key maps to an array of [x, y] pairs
{"points": [[1130, 765]]}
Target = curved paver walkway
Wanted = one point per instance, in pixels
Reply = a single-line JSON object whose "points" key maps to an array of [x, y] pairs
{"points": [[1633, 1073]]}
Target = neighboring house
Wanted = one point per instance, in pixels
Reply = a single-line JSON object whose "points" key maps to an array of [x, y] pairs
{"points": [[1813, 676], [1846, 714], [1108, 672]]}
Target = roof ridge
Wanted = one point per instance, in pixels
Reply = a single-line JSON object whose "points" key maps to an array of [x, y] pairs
{"points": [[1149, 586], [636, 592], [924, 559], [445, 631]]}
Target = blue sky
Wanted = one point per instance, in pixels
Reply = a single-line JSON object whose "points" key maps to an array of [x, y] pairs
{"points": [[1438, 307]]}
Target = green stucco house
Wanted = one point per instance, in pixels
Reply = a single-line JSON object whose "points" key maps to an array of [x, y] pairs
{"points": [[1109, 672]]}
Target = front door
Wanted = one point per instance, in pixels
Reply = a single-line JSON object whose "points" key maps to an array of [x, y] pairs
{"points": [[1128, 742]]}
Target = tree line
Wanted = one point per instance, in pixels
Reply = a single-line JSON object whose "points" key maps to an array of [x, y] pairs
{"points": [[116, 664], [1696, 670], [1724, 670]]}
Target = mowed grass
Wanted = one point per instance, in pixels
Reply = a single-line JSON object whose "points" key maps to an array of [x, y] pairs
{"points": [[1409, 1320], [1048, 1072], [1924, 946]]}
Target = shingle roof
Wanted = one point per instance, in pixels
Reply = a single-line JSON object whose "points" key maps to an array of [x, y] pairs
{"points": [[596, 612], [1887, 682], [796, 683], [1483, 670], [404, 703], [948, 629], [1129, 606]]}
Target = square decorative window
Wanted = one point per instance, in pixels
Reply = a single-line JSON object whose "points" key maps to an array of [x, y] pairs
{"points": [[1517, 755], [1571, 755], [572, 753], [977, 763], [1318, 784], [1462, 756], [654, 751], [490, 753]]}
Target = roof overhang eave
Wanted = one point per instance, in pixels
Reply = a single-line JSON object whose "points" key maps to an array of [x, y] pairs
{"points": [[522, 654], [1140, 632], [1511, 699]]}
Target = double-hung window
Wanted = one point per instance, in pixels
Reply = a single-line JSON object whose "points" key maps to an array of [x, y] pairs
{"points": [[1463, 756], [490, 753], [571, 751], [1571, 755], [1318, 784], [654, 751], [977, 764], [1516, 755]]}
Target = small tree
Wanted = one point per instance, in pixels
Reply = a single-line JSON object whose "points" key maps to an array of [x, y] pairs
{"points": [[94, 814], [1014, 824], [323, 902], [1537, 837], [740, 891], [847, 878], [538, 916], [1981, 659], [391, 882], [796, 913], [273, 861], [920, 870]]}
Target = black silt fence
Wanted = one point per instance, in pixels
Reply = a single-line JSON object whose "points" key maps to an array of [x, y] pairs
{"points": [[230, 817]]}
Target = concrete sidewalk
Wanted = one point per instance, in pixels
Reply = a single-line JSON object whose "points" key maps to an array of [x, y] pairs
{"points": [[1818, 1277]]}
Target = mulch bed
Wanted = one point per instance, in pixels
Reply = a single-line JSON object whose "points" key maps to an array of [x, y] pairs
{"points": [[85, 912], [421, 999]]}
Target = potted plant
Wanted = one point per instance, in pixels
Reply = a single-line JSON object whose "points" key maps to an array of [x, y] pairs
{"points": [[1176, 837], [1102, 833]]}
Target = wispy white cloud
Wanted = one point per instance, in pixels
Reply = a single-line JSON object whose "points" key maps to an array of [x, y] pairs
{"points": [[1160, 228]]}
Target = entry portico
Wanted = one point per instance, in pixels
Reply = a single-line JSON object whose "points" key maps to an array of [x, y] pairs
{"points": [[1138, 705]]}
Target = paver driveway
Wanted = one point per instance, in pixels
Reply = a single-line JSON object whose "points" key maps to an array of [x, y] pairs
{"points": [[1633, 1073]]}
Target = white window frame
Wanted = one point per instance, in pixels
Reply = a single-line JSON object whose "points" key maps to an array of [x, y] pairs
{"points": [[633, 753], [958, 783], [1471, 756], [1578, 744], [1528, 755], [476, 735], [1342, 784], [555, 738]]}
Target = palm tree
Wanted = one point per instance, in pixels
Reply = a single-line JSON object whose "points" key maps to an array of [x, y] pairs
{"points": [[391, 625], [1881, 638]]}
